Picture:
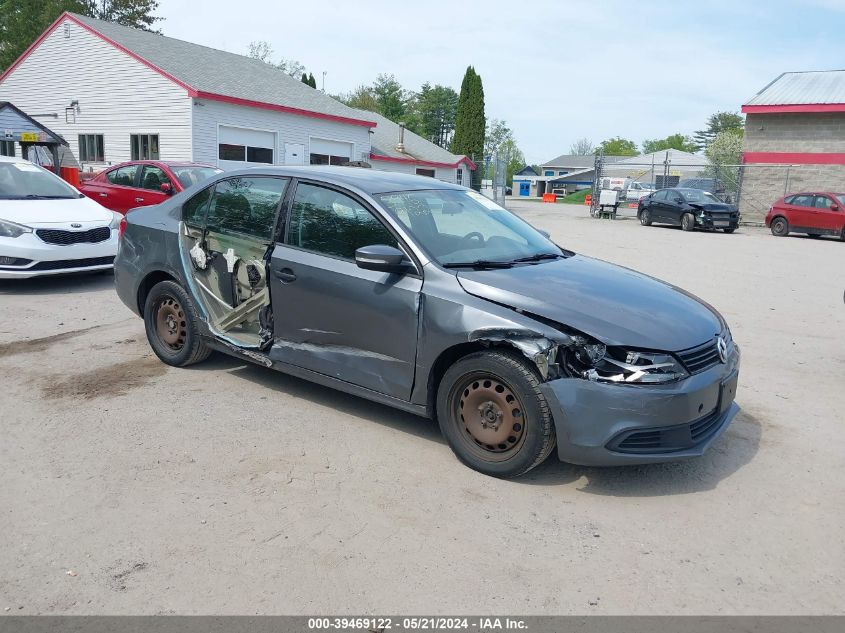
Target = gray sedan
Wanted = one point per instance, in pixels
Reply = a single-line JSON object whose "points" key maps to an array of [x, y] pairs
{"points": [[431, 298]]}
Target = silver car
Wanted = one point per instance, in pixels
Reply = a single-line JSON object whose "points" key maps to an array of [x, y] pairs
{"points": [[431, 298]]}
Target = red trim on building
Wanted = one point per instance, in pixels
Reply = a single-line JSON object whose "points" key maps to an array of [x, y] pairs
{"points": [[426, 163], [192, 92], [797, 107], [199, 94], [794, 158]]}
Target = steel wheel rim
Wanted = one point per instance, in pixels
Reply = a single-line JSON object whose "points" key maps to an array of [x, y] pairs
{"points": [[685, 221], [489, 417], [644, 218], [171, 325], [780, 225]]}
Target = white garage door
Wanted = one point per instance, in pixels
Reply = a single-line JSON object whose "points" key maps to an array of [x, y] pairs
{"points": [[327, 152], [241, 147]]}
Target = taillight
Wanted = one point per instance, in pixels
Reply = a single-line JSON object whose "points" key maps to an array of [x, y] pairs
{"points": [[121, 229]]}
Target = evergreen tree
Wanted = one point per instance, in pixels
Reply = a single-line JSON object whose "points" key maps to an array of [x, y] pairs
{"points": [[304, 79], [311, 81], [719, 122], [470, 121]]}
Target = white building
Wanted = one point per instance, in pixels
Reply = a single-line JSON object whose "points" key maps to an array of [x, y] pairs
{"points": [[116, 93]]}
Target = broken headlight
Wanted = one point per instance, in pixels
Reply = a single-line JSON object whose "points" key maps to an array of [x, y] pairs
{"points": [[592, 360]]}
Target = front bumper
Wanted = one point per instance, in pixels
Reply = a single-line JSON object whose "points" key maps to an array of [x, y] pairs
{"points": [[708, 222], [35, 258], [606, 424]]}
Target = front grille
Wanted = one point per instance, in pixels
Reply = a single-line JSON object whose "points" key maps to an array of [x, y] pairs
{"points": [[73, 263], [667, 439], [698, 359], [63, 238]]}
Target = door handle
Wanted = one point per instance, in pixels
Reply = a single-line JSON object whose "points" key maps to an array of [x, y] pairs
{"points": [[104, 195], [286, 275], [139, 199]]}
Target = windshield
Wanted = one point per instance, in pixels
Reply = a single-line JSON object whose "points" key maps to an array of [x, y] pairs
{"points": [[460, 227], [841, 198], [696, 195], [189, 175], [25, 180]]}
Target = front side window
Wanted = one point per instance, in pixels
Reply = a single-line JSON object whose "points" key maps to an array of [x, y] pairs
{"points": [[7, 148], [124, 176], [25, 180], [803, 201], [332, 223], [457, 226], [153, 178], [823, 202], [144, 146], [246, 205], [91, 148]]}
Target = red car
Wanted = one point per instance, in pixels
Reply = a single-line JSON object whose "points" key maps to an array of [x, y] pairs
{"points": [[141, 183], [817, 213]]}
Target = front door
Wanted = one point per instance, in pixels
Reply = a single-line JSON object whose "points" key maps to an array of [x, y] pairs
{"points": [[330, 316], [802, 212], [152, 178], [524, 188], [829, 215], [294, 154]]}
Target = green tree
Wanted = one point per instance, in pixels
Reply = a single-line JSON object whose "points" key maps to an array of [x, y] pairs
{"points": [[311, 81], [431, 113], [718, 122], [582, 147], [362, 98], [391, 98], [725, 148], [22, 21], [304, 79], [470, 120], [135, 13], [618, 146], [499, 140], [675, 141]]}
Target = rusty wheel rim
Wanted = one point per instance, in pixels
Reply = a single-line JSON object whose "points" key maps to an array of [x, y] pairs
{"points": [[171, 326], [489, 416]]}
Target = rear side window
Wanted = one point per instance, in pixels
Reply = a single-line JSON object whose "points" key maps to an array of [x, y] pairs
{"points": [[332, 223], [246, 205], [660, 195], [124, 176], [193, 211]]}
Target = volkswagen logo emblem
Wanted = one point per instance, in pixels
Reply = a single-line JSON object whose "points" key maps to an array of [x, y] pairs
{"points": [[722, 348], [76, 225]]}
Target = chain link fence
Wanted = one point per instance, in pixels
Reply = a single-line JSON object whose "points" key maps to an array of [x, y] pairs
{"points": [[752, 188]]}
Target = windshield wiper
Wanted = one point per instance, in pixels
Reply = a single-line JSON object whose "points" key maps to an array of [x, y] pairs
{"points": [[479, 263], [537, 257]]}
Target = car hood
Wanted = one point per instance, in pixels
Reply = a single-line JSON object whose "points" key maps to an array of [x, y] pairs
{"points": [[47, 212], [615, 305], [712, 206]]}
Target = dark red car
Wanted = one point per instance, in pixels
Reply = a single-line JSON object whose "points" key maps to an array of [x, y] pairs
{"points": [[816, 213], [141, 183]]}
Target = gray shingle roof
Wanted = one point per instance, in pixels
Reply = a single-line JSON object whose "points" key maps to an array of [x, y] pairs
{"points": [[578, 162], [214, 71], [386, 137], [796, 88]]}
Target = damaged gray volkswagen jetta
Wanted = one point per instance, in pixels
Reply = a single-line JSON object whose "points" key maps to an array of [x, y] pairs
{"points": [[429, 297]]}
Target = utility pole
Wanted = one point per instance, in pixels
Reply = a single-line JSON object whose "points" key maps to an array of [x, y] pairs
{"points": [[324, 80]]}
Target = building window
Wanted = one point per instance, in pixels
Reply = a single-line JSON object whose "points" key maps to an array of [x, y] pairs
{"points": [[91, 148], [7, 148], [548, 172], [328, 159], [562, 173], [241, 153], [425, 172], [459, 177], [144, 146]]}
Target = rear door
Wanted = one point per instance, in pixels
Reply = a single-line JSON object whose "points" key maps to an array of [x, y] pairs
{"points": [[802, 212], [656, 206], [330, 316], [673, 207], [116, 189]]}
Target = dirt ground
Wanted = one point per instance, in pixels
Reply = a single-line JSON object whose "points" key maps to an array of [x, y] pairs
{"points": [[132, 488]]}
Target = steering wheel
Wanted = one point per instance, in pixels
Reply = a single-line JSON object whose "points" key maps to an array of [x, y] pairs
{"points": [[475, 235]]}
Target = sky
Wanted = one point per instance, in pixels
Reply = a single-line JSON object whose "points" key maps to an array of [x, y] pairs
{"points": [[554, 71]]}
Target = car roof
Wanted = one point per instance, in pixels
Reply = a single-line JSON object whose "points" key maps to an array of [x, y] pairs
{"points": [[368, 180], [12, 159]]}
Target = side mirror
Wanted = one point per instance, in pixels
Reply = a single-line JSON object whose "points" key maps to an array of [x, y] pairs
{"points": [[167, 188], [834, 207], [383, 258]]}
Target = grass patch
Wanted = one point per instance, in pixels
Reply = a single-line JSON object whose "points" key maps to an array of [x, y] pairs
{"points": [[576, 197]]}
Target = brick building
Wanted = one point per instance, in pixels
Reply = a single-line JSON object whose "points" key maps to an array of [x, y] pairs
{"points": [[794, 139]]}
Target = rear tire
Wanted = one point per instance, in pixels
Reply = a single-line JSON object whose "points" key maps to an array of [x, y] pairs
{"points": [[687, 222], [170, 321], [493, 415], [780, 227], [729, 231], [645, 217]]}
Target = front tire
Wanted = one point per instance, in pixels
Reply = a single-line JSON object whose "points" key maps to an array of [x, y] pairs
{"points": [[645, 217], [687, 222], [729, 231], [780, 227], [493, 415], [170, 321]]}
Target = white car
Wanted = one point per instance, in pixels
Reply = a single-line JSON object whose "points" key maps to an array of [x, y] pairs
{"points": [[47, 227]]}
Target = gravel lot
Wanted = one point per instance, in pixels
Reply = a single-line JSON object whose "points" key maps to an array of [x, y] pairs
{"points": [[132, 488]]}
